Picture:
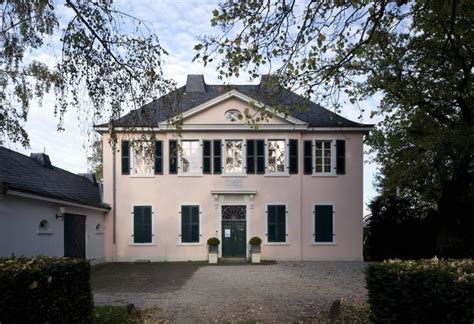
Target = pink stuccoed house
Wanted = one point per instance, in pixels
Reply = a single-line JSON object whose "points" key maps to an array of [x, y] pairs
{"points": [[295, 181]]}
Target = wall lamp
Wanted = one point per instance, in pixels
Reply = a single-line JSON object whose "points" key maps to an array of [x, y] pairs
{"points": [[62, 211]]}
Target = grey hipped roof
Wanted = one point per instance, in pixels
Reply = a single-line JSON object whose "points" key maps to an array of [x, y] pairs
{"points": [[36, 175], [197, 92]]}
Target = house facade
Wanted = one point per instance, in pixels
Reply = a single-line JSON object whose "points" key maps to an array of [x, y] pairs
{"points": [[47, 211], [295, 180]]}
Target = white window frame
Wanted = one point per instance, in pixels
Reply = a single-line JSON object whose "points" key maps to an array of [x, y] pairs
{"points": [[313, 209], [179, 242], [132, 162], [285, 173], [286, 224], [180, 159], [132, 235], [332, 173], [224, 156]]}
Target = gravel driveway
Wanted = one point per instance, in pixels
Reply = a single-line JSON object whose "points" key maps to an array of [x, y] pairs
{"points": [[194, 291]]}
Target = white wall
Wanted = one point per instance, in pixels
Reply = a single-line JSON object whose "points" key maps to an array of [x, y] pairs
{"points": [[19, 222]]}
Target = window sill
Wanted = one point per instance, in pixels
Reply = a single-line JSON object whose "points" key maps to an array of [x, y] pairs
{"points": [[324, 175], [99, 233], [237, 175], [190, 244], [191, 175], [142, 244], [324, 243], [142, 176], [44, 233], [277, 243], [276, 175]]}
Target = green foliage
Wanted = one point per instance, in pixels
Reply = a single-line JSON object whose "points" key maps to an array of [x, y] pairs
{"points": [[416, 56], [109, 61], [427, 291], [255, 241], [392, 215], [95, 159], [44, 290], [213, 241]]}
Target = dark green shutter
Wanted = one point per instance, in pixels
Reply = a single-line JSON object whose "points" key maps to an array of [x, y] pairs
{"points": [[195, 224], [173, 157], [271, 210], [125, 157], [189, 224], [250, 156], [293, 156], [185, 218], [158, 157], [217, 157], [142, 231], [276, 223], [308, 157], [340, 157], [281, 221], [323, 223], [206, 157], [260, 156]]}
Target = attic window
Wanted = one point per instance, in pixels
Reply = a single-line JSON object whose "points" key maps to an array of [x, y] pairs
{"points": [[232, 115]]}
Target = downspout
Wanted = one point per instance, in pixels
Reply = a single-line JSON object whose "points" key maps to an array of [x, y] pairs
{"points": [[301, 196], [114, 201]]}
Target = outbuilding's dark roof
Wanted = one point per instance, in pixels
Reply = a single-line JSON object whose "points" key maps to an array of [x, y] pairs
{"points": [[31, 175], [191, 95]]}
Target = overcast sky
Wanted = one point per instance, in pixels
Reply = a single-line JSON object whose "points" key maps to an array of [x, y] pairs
{"points": [[177, 24]]}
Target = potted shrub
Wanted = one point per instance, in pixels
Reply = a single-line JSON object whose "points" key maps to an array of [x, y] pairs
{"points": [[255, 249], [213, 244]]}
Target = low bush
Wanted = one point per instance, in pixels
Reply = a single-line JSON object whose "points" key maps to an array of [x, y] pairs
{"points": [[40, 290], [255, 241], [213, 241], [424, 291]]}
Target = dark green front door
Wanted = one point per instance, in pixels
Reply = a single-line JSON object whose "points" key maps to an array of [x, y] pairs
{"points": [[234, 236]]}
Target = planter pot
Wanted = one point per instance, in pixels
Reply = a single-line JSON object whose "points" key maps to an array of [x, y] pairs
{"points": [[256, 257], [255, 252], [213, 253], [213, 257]]}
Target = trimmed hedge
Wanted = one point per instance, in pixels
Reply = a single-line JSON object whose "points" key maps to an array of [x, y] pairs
{"points": [[40, 290], [424, 291]]}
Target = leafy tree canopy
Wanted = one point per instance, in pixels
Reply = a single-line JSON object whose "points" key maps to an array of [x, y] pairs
{"points": [[107, 58], [95, 159], [416, 55], [399, 227]]}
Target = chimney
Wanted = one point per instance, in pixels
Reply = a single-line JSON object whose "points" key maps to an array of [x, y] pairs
{"points": [[42, 159], [269, 83], [195, 83]]}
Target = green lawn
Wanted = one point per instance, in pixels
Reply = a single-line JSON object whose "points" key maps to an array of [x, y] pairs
{"points": [[113, 314]]}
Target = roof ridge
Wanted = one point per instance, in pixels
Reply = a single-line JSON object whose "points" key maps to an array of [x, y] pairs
{"points": [[54, 167], [314, 114], [24, 174]]}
